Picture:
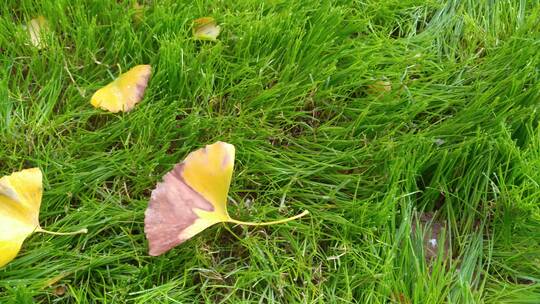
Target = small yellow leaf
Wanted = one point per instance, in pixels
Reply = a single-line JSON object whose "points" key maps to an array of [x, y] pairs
{"points": [[20, 199], [124, 92], [38, 27], [205, 28], [192, 197], [380, 87], [138, 12]]}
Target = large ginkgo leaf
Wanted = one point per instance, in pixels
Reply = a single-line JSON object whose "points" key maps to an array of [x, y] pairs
{"points": [[124, 92], [20, 199], [192, 197]]}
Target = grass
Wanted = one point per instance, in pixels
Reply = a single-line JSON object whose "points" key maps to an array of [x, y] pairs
{"points": [[293, 85]]}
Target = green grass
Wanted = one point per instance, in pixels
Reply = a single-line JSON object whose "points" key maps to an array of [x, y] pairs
{"points": [[288, 83]]}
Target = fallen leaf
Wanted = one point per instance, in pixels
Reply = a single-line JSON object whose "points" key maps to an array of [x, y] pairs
{"points": [[60, 290], [20, 200], [400, 298], [124, 92], [205, 28], [52, 281], [193, 197], [380, 87], [38, 27], [138, 12]]}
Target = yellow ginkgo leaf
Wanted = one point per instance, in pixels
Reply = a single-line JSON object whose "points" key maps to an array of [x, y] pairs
{"points": [[205, 29], [193, 197], [124, 92], [138, 12], [380, 87], [38, 27], [20, 199]]}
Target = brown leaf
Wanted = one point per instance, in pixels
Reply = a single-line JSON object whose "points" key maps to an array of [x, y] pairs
{"points": [[171, 211], [60, 290]]}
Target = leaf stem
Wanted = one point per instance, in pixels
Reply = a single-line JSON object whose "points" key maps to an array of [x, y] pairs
{"points": [[269, 223], [84, 230]]}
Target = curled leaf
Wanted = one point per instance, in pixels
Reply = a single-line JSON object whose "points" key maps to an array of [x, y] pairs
{"points": [[20, 200], [38, 27], [205, 28], [124, 92], [192, 197]]}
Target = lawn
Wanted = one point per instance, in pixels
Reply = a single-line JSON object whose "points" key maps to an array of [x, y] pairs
{"points": [[397, 124]]}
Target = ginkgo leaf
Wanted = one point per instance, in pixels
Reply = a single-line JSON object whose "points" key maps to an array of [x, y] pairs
{"points": [[205, 28], [380, 87], [138, 12], [37, 27], [193, 197], [20, 200], [124, 92]]}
